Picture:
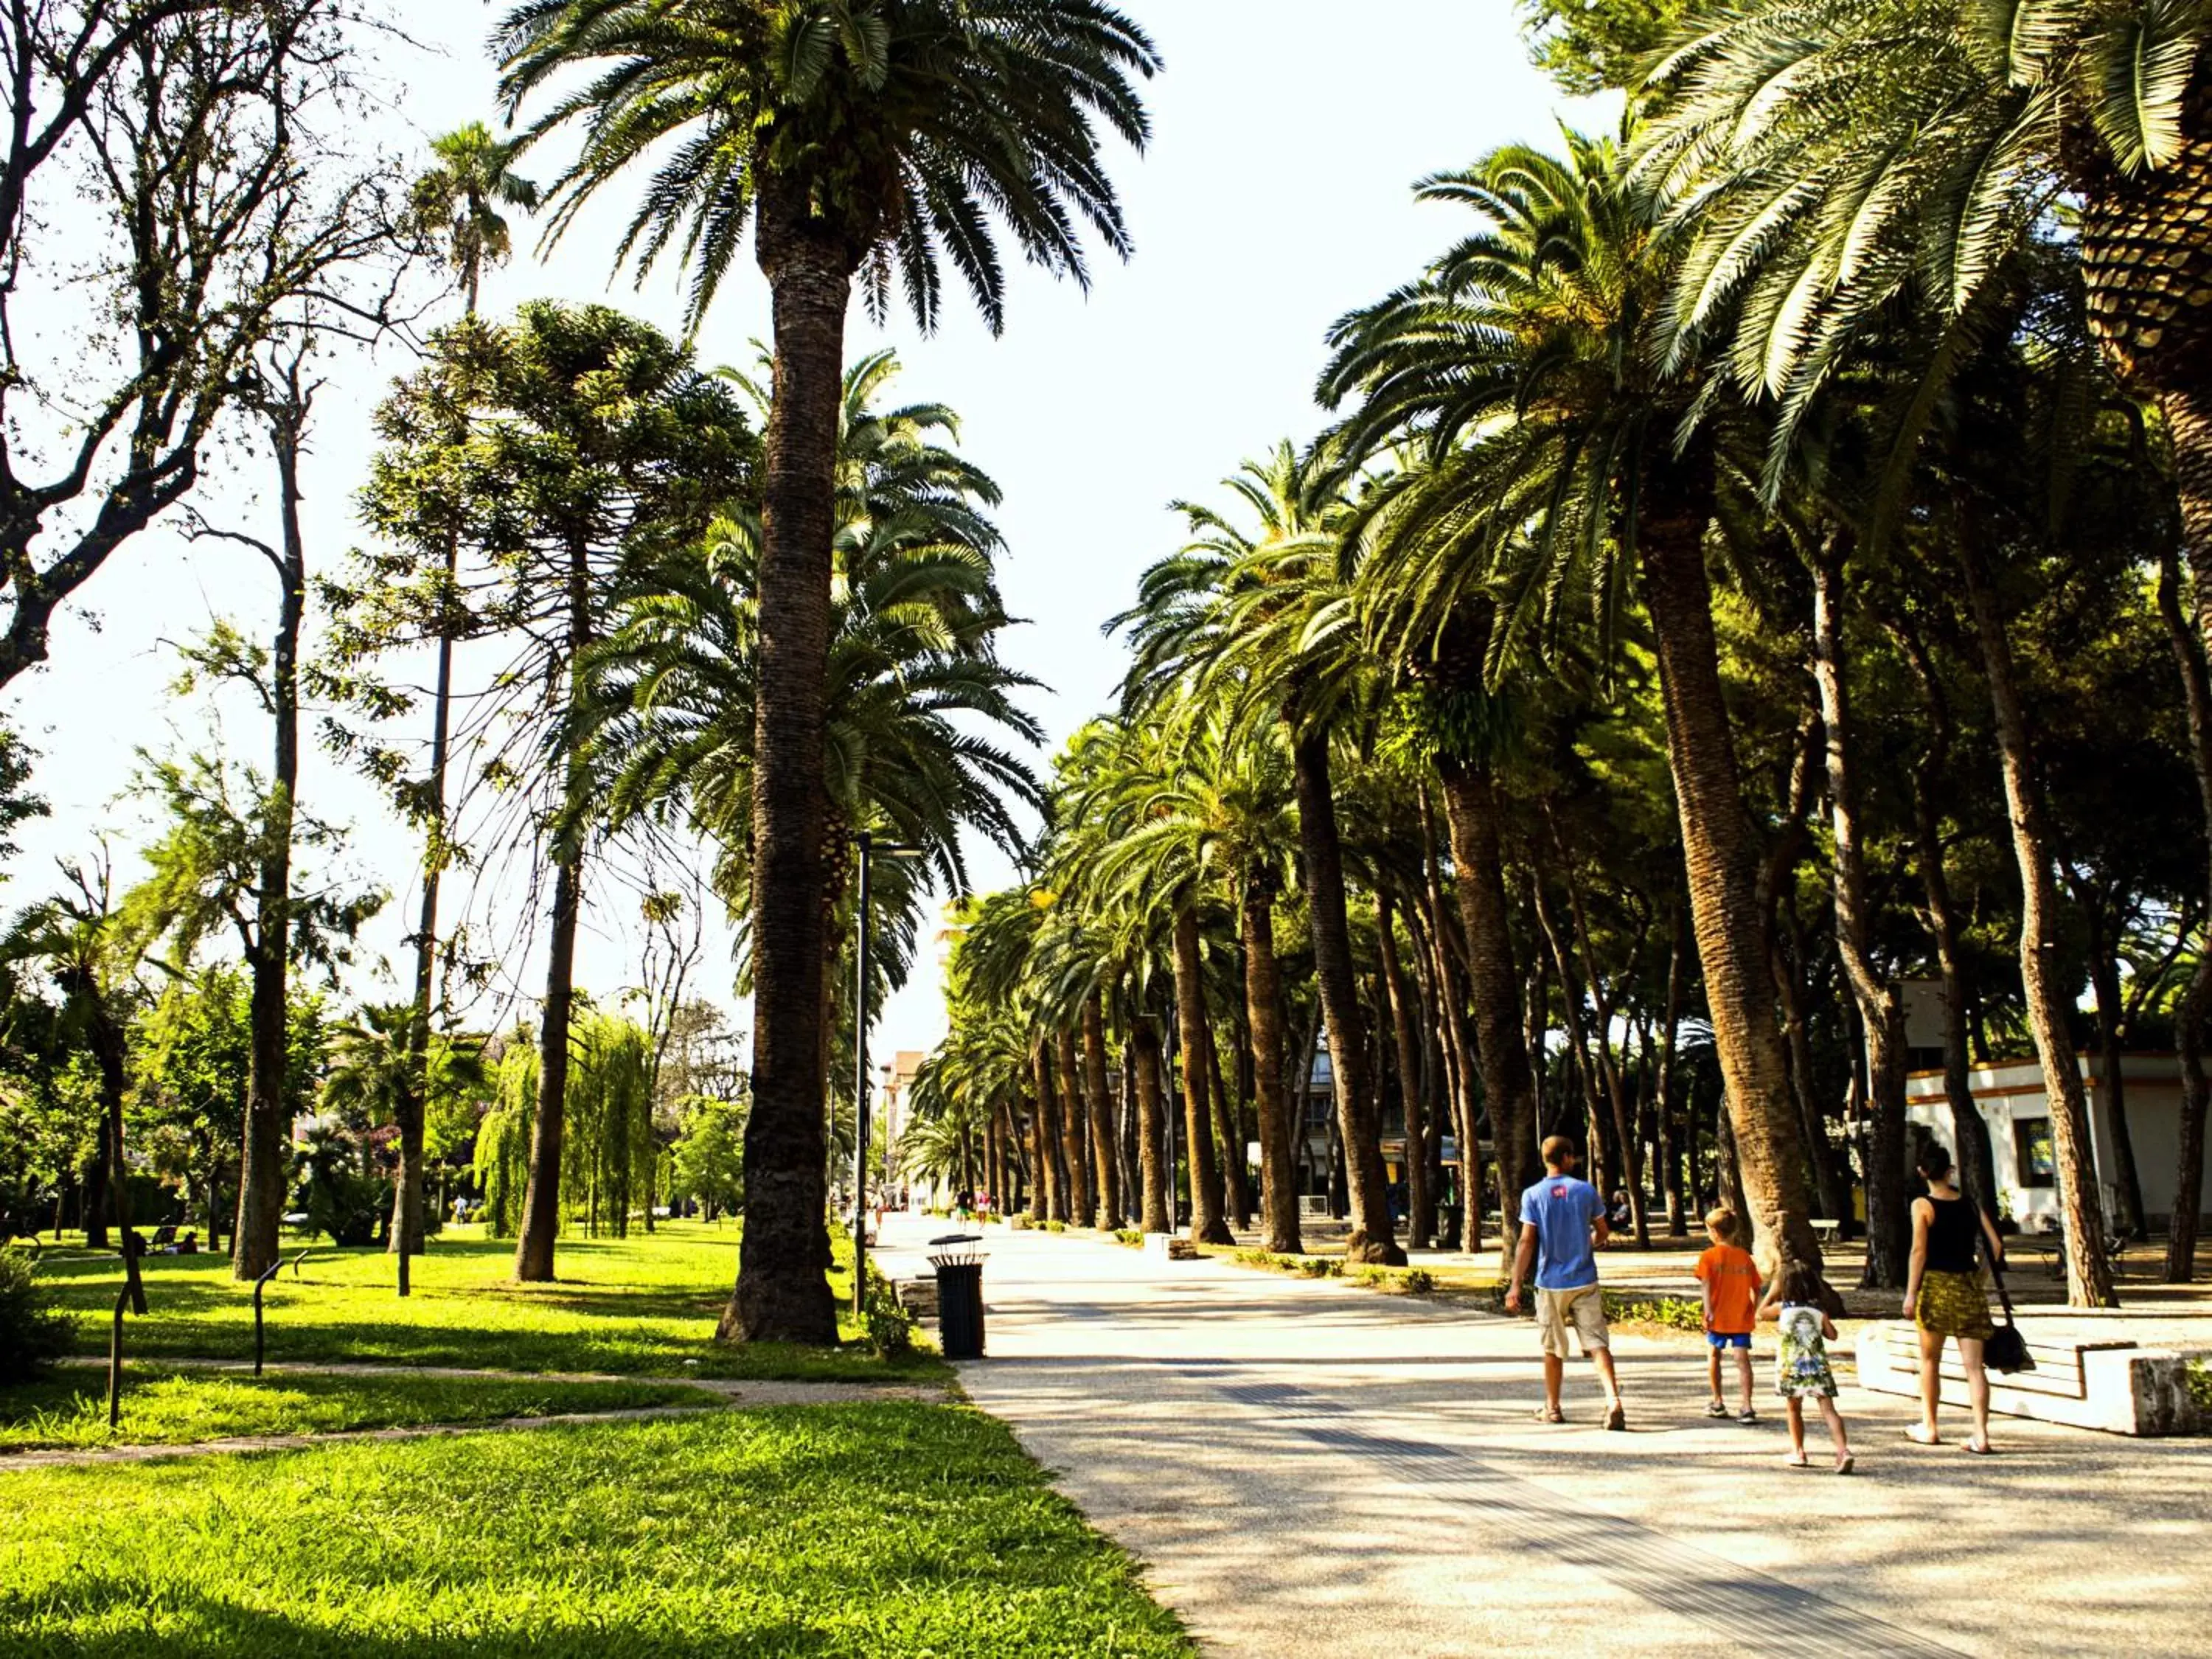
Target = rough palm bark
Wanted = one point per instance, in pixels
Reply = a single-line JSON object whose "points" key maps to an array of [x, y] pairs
{"points": [[1419, 1202], [1881, 1010], [2088, 1275], [1367, 1186], [1207, 1225], [783, 1262], [1075, 1132], [541, 1201], [1721, 863], [1509, 1083], [1106, 1172], [1039, 1164], [1263, 1013], [1230, 1142], [1047, 1142], [1151, 1127]]}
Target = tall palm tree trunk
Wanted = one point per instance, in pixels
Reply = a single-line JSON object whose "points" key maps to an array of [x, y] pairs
{"points": [[1106, 1171], [1207, 1222], [1145, 1038], [1420, 1203], [1049, 1175], [783, 1263], [1721, 863], [1236, 1199], [1366, 1183], [1509, 1083], [1263, 1014], [1672, 1143], [1075, 1133], [541, 1196], [1040, 1170], [1888, 1216], [2088, 1275], [255, 1241]]}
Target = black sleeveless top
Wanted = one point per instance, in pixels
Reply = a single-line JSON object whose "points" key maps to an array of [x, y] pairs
{"points": [[1951, 1236]]}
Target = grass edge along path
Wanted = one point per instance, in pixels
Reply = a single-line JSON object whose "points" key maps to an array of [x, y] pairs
{"points": [[183, 1406], [846, 1529]]}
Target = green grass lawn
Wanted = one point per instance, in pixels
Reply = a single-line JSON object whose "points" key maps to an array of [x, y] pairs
{"points": [[645, 1305], [889, 1531], [166, 1406]]}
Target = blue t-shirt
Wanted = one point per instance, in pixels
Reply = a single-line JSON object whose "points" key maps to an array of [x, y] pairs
{"points": [[1562, 1211]]}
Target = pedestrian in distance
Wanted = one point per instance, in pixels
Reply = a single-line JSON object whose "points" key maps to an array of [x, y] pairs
{"points": [[1563, 1225], [1944, 1296], [1801, 1371], [1731, 1282]]}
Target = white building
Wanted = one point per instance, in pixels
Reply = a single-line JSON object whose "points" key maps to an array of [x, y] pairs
{"points": [[2013, 1104]]}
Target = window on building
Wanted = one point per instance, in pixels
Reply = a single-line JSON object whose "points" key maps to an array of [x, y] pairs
{"points": [[2033, 1153]]}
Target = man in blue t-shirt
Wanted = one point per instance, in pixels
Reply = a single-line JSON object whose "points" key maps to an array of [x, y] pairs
{"points": [[1562, 1222]]}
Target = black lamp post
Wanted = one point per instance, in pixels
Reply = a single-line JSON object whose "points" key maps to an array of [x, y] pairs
{"points": [[870, 848]]}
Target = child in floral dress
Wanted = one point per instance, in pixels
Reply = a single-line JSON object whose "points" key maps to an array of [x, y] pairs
{"points": [[1801, 1369]]}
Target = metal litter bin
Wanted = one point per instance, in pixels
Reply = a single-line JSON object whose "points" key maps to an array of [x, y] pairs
{"points": [[959, 1267]]}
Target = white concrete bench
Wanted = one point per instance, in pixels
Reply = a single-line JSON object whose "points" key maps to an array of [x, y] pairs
{"points": [[1314, 1206], [2114, 1386], [1172, 1246]]}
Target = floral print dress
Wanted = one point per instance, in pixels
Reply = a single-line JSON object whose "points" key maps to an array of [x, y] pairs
{"points": [[1802, 1371]]}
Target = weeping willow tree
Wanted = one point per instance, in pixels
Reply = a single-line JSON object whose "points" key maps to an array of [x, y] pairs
{"points": [[502, 1154], [609, 1109]]}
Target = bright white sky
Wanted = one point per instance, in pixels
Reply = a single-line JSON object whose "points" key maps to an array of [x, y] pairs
{"points": [[1275, 198]]}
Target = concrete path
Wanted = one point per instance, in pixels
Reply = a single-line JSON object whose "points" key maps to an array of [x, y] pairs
{"points": [[1311, 1468]]}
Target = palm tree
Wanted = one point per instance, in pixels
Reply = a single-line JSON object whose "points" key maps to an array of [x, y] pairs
{"points": [[856, 138], [1261, 616], [456, 206], [1523, 371]]}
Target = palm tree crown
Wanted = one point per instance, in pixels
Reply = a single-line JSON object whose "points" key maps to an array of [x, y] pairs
{"points": [[895, 129]]}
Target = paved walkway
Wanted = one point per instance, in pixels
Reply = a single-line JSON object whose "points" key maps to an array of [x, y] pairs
{"points": [[1310, 1468]]}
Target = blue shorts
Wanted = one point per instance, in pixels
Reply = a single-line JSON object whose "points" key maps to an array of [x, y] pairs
{"points": [[1728, 1339]]}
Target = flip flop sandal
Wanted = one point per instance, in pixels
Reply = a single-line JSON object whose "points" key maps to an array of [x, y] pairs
{"points": [[1714, 1409], [1546, 1415], [1980, 1447], [1920, 1437], [1846, 1464], [1796, 1461], [1617, 1420]]}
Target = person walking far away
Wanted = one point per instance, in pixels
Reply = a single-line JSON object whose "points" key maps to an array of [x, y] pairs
{"points": [[1802, 1371], [1732, 1284], [1943, 1295], [1562, 1225]]}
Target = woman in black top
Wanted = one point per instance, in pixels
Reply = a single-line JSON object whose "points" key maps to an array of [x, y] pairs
{"points": [[1943, 1294]]}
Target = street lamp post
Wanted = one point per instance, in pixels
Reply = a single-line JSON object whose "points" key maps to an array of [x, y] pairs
{"points": [[869, 847]]}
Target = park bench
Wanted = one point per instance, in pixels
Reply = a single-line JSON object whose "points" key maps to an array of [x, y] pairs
{"points": [[2114, 1385], [1827, 1231]]}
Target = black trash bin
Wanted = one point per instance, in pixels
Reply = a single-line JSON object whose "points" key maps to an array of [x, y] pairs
{"points": [[959, 1267]]}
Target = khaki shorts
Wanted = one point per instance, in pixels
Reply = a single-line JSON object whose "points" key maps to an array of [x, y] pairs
{"points": [[1583, 1307]]}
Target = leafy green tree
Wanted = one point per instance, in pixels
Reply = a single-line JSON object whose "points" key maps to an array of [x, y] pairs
{"points": [[856, 139], [1588, 45], [573, 447], [708, 1156]]}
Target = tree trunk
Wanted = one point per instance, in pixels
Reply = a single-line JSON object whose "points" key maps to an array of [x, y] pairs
{"points": [[1366, 1183], [1207, 1224], [1263, 1014], [1075, 1132], [1671, 1148], [1050, 1174], [1889, 1222], [783, 1289], [1830, 1184], [541, 1195], [1106, 1179], [1419, 1202], [1033, 1132], [109, 1051], [1722, 865], [2111, 1080], [1235, 1201], [2088, 1275], [262, 1170], [1149, 1127], [1509, 1083], [1624, 1128]]}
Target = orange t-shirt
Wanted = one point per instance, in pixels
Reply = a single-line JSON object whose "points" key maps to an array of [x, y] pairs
{"points": [[1732, 1276]]}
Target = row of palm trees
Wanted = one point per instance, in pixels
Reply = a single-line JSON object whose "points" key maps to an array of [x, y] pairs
{"points": [[1782, 319]]}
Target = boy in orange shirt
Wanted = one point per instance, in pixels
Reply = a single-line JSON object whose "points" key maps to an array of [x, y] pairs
{"points": [[1731, 1283]]}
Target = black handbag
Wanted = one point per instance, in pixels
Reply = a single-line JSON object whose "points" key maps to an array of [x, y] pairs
{"points": [[2006, 1350]]}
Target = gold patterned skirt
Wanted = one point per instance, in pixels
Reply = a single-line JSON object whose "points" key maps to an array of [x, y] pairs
{"points": [[1953, 1304]]}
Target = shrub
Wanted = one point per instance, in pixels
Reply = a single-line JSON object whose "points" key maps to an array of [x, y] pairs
{"points": [[891, 1327], [1132, 1236], [32, 1335], [1418, 1281], [1019, 1222]]}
